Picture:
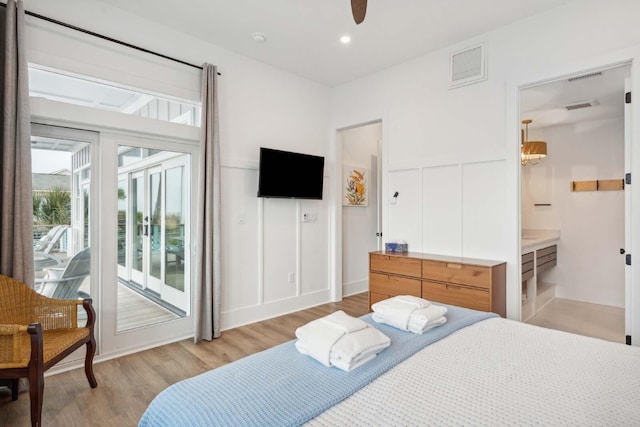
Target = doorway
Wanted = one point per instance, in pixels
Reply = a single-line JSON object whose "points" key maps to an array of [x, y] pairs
{"points": [[360, 203], [64, 215], [153, 226], [575, 205]]}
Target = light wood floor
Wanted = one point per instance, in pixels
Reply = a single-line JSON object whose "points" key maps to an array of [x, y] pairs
{"points": [[582, 318], [135, 311], [126, 385]]}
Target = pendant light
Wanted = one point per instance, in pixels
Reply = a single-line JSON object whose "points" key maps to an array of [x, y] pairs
{"points": [[531, 151]]}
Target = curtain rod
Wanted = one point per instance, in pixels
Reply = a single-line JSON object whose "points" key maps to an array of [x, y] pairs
{"points": [[101, 36]]}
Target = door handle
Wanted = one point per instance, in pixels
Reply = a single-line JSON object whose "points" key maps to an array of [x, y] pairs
{"points": [[146, 229]]}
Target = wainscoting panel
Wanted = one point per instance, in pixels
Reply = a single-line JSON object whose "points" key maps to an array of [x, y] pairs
{"points": [[273, 262], [280, 249], [240, 250], [442, 210], [314, 244], [484, 194], [405, 216]]}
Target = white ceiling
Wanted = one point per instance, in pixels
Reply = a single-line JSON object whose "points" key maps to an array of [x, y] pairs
{"points": [[303, 35], [545, 104]]}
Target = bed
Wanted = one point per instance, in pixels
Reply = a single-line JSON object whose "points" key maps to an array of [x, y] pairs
{"points": [[477, 369]]}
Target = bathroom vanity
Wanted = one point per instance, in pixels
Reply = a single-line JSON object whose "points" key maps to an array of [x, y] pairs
{"points": [[539, 256]]}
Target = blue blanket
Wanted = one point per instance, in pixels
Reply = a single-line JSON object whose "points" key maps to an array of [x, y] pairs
{"points": [[282, 387]]}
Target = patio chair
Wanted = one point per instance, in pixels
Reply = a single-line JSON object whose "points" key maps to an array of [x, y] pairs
{"points": [[47, 242], [65, 283], [43, 248], [36, 332]]}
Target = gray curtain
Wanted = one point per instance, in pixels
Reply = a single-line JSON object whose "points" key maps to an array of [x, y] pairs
{"points": [[208, 259], [16, 209]]}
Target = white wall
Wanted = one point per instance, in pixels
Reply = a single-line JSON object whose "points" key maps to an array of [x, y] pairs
{"points": [[360, 223], [590, 267], [264, 240], [457, 139]]}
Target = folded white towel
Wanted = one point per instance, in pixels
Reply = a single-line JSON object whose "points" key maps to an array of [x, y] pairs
{"points": [[348, 367], [347, 323], [359, 344], [396, 313], [418, 328], [426, 316], [401, 312], [327, 341], [410, 299], [319, 337]]}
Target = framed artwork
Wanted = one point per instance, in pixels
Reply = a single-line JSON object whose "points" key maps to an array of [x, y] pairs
{"points": [[355, 191]]}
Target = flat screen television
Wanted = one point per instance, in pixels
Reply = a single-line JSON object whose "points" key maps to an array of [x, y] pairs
{"points": [[288, 175]]}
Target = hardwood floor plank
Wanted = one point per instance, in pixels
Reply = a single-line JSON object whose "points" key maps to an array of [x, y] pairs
{"points": [[127, 385]]}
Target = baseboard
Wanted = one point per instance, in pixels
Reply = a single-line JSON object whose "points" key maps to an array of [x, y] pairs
{"points": [[244, 316]]}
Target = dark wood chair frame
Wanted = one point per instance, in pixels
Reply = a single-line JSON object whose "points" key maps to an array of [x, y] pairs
{"points": [[36, 368]]}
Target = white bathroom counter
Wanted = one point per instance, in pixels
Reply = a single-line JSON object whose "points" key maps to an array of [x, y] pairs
{"points": [[533, 239]]}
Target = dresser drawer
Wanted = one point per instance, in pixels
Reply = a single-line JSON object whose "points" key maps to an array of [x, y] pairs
{"points": [[476, 299], [470, 275], [395, 264], [374, 298], [390, 285]]}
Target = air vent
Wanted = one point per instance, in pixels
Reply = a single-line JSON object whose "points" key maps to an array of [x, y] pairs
{"points": [[581, 104], [467, 66], [585, 76]]}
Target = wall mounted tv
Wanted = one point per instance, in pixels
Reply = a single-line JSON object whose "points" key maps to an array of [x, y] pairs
{"points": [[288, 175]]}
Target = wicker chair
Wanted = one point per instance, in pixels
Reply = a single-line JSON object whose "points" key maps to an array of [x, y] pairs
{"points": [[36, 332]]}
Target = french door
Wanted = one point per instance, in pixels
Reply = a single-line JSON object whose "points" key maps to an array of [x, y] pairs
{"points": [[153, 225]]}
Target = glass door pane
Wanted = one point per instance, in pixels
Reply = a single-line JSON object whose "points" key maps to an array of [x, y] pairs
{"points": [[158, 290], [175, 223], [123, 200], [154, 281], [62, 214]]}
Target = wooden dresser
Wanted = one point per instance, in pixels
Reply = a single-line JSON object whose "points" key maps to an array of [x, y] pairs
{"points": [[465, 282]]}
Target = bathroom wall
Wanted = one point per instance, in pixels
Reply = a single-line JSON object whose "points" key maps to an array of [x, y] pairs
{"points": [[591, 223]]}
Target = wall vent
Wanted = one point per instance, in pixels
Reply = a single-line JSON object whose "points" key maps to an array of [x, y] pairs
{"points": [[585, 76], [581, 104], [467, 66]]}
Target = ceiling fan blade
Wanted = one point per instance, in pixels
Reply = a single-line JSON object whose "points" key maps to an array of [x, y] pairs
{"points": [[359, 10]]}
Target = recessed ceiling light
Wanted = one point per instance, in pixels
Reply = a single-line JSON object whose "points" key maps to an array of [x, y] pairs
{"points": [[259, 37], [346, 39]]}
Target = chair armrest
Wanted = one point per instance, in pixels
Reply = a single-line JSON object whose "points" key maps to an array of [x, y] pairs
{"points": [[42, 280], [87, 304], [10, 339], [56, 313]]}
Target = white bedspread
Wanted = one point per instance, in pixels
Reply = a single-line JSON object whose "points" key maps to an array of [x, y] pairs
{"points": [[499, 372]]}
